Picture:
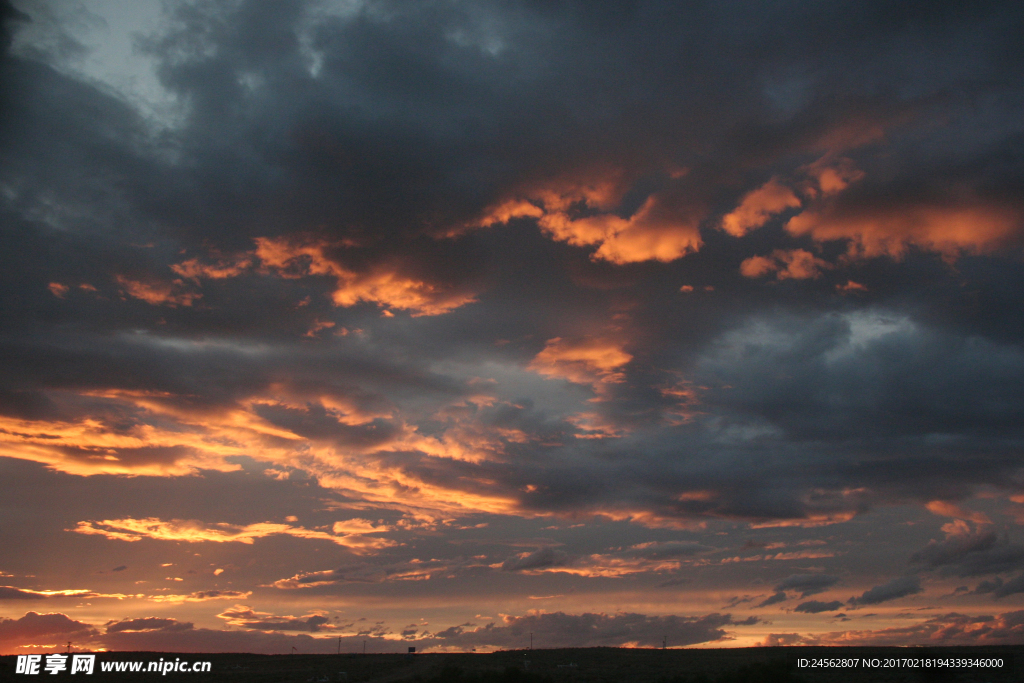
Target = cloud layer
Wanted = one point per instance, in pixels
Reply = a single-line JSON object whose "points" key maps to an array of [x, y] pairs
{"points": [[594, 313]]}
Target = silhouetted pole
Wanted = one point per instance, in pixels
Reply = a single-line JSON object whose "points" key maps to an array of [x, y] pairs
{"points": [[664, 642], [531, 640], [69, 647]]}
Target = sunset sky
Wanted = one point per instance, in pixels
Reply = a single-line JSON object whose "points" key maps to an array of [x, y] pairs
{"points": [[439, 324]]}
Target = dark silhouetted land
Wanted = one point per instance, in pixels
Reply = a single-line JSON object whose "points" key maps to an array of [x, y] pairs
{"points": [[585, 665]]}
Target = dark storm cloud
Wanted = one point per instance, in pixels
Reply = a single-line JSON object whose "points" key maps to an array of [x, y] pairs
{"points": [[237, 264], [897, 588]]}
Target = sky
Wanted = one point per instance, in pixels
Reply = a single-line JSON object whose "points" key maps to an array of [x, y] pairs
{"points": [[356, 323]]}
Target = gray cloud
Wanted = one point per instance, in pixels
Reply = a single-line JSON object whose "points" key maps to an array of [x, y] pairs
{"points": [[899, 587], [971, 554], [538, 559], [557, 629], [999, 588], [550, 630], [247, 618], [667, 550], [817, 606], [807, 584], [33, 626], [146, 624], [954, 549], [774, 598], [948, 629], [12, 593]]}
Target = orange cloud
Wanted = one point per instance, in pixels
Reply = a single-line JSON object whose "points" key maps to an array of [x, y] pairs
{"points": [[811, 520], [973, 227], [506, 211], [357, 526], [382, 285], [601, 189], [947, 509], [317, 326], [830, 175], [245, 617], [758, 266], [388, 288], [795, 264], [175, 438], [12, 591], [594, 426], [826, 176], [158, 293], [193, 270], [959, 225], [851, 286], [58, 290], [651, 557], [657, 231], [595, 362], [759, 206], [88, 446], [194, 531], [201, 596], [653, 233], [406, 570]]}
